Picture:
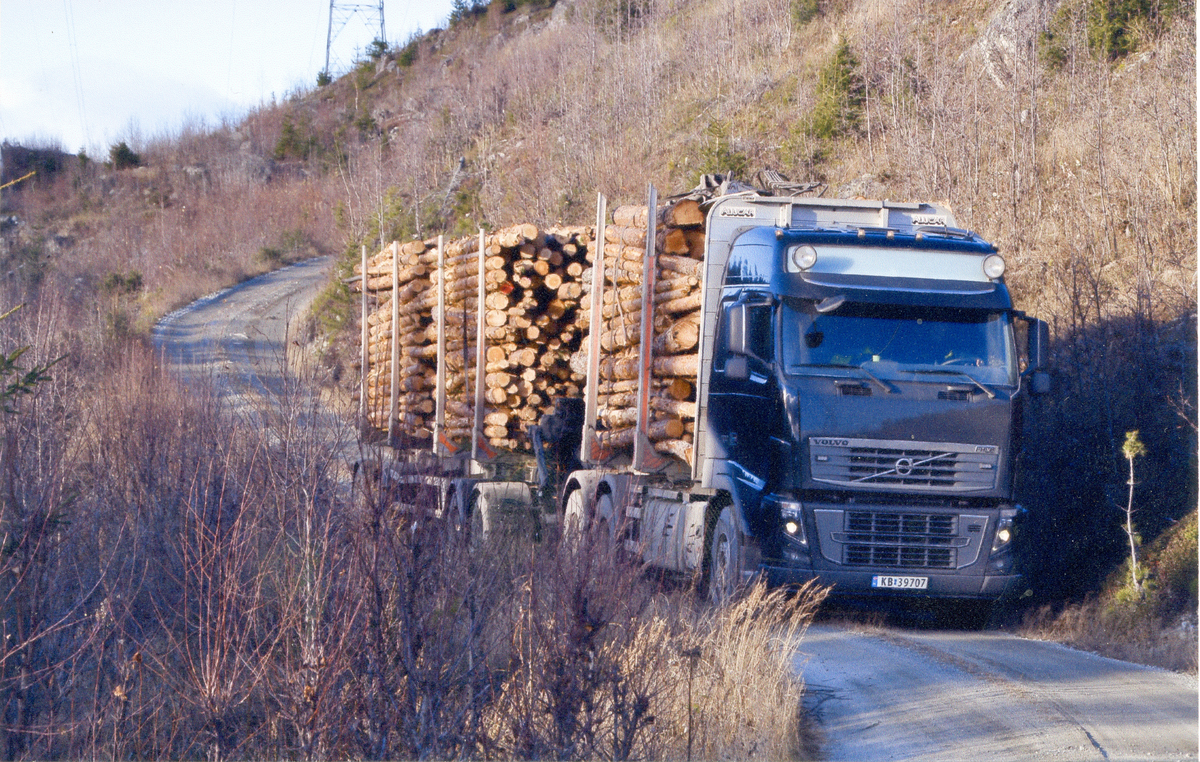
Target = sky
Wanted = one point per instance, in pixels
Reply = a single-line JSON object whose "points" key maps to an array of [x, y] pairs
{"points": [[87, 73]]}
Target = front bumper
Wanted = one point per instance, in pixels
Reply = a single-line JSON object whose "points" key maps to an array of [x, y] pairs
{"points": [[858, 583]]}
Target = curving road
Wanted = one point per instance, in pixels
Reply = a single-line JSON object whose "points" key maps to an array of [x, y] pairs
{"points": [[894, 693], [237, 339], [878, 693]]}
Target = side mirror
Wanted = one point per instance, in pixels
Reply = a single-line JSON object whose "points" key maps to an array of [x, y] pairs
{"points": [[735, 320], [1038, 350], [737, 368]]}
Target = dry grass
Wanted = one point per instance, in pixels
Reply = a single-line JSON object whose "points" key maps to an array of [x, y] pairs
{"points": [[609, 665], [1120, 633], [1156, 626]]}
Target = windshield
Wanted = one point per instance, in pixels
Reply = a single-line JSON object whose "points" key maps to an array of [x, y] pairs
{"points": [[893, 339]]}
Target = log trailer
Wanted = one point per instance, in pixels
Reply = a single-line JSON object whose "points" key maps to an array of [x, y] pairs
{"points": [[859, 390]]}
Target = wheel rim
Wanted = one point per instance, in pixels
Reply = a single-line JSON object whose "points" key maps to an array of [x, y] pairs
{"points": [[605, 516], [719, 578], [573, 518], [725, 564], [478, 529]]}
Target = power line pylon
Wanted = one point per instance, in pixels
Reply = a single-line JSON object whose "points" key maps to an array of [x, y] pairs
{"points": [[341, 14]]}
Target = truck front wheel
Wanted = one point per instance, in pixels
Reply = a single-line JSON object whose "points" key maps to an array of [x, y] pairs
{"points": [[725, 559]]}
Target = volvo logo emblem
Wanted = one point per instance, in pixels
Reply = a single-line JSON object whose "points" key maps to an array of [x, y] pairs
{"points": [[904, 466]]}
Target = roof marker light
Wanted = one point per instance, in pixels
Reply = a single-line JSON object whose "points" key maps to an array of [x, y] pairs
{"points": [[993, 266]]}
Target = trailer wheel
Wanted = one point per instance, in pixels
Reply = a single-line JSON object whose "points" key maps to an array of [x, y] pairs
{"points": [[501, 509], [453, 521], [725, 559], [574, 516], [605, 519], [480, 520]]}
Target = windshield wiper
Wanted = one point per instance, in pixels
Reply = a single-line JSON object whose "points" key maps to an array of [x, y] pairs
{"points": [[961, 374], [886, 387], [882, 384]]}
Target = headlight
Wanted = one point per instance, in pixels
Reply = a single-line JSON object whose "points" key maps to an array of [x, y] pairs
{"points": [[1004, 534], [804, 257], [791, 516], [993, 266]]}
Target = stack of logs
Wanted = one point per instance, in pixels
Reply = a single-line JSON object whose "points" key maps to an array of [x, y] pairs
{"points": [[534, 288], [537, 296], [676, 322]]}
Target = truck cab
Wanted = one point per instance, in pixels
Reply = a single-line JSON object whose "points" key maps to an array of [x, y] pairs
{"points": [[864, 395]]}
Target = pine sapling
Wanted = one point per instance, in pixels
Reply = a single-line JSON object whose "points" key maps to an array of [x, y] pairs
{"points": [[1132, 448]]}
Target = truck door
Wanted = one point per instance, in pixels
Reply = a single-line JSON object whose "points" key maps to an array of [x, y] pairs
{"points": [[743, 405]]}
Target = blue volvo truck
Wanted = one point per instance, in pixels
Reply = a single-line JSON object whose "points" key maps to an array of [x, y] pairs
{"points": [[861, 386]]}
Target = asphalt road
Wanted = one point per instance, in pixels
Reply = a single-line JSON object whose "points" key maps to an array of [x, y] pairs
{"points": [[878, 693]]}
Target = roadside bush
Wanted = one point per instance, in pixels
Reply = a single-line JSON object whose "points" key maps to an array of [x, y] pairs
{"points": [[609, 665], [199, 585], [1173, 565]]}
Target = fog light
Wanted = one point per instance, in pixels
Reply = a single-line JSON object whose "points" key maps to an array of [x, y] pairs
{"points": [[1001, 564], [993, 266]]}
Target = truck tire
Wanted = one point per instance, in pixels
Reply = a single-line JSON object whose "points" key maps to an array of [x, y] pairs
{"points": [[500, 509], [574, 521], [606, 521], [725, 559], [480, 520]]}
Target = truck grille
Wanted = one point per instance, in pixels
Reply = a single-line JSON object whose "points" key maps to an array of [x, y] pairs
{"points": [[904, 466], [909, 540]]}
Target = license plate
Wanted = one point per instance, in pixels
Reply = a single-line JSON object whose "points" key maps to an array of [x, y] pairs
{"points": [[899, 583]]}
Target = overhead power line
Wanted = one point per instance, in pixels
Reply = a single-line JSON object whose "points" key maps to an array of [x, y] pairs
{"points": [[74, 45]]}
